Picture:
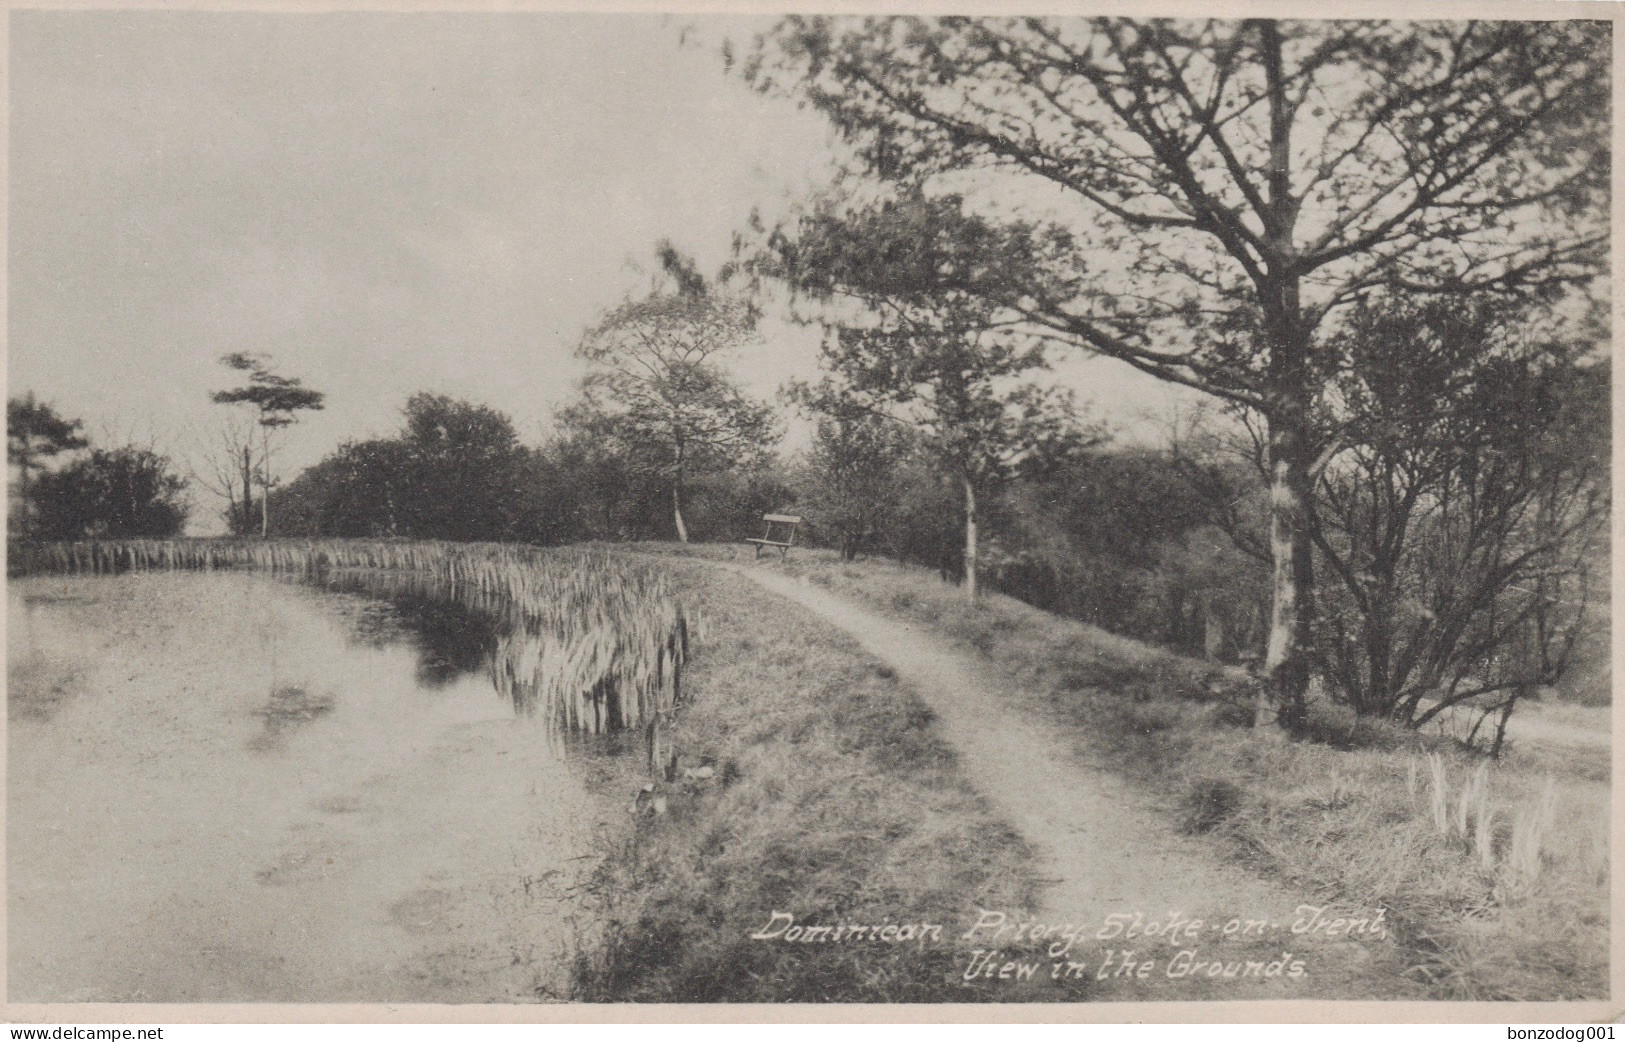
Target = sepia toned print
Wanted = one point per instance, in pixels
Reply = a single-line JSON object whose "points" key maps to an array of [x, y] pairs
{"points": [[540, 508]]}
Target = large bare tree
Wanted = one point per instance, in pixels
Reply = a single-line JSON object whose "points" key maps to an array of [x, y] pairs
{"points": [[222, 461], [1199, 199]]}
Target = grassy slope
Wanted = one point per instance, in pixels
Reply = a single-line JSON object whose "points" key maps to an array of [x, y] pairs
{"points": [[833, 799], [1341, 824]]}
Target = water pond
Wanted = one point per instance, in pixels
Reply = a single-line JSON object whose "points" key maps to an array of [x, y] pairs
{"points": [[224, 786]]}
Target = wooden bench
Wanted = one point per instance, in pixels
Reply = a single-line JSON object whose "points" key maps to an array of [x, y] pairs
{"points": [[787, 534]]}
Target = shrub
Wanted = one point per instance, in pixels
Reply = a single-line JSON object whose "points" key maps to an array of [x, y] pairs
{"points": [[1208, 803]]}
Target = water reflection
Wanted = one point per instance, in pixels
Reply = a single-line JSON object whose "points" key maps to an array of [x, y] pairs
{"points": [[589, 643], [221, 785], [289, 707], [586, 677], [453, 638]]}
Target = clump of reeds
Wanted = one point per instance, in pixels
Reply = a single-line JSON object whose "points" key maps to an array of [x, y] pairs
{"points": [[1515, 857], [592, 643], [1526, 850]]}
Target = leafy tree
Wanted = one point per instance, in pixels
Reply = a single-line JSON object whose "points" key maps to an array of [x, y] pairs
{"points": [[456, 471], [656, 389], [849, 485], [1120, 539], [926, 524], [126, 492], [1459, 523], [34, 434], [1200, 199], [464, 470], [591, 490], [276, 400], [923, 352], [358, 491]]}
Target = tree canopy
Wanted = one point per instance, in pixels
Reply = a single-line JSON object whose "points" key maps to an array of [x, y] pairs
{"points": [[456, 471], [126, 492], [921, 351], [656, 387], [1198, 198], [276, 398], [34, 434]]}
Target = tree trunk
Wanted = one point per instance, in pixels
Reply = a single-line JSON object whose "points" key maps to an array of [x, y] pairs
{"points": [[677, 512], [1291, 401], [662, 765], [1212, 631], [1501, 724], [971, 591], [1286, 659], [677, 497], [246, 521], [24, 529], [265, 484]]}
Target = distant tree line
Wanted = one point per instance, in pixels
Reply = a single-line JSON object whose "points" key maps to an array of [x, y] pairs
{"points": [[1458, 518]]}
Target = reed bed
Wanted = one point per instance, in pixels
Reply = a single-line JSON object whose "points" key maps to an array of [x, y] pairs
{"points": [[592, 643]]}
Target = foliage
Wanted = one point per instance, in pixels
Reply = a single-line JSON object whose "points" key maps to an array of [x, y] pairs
{"points": [[592, 491], [586, 486], [1460, 521], [356, 491], [847, 481], [1199, 198], [1123, 540], [34, 434], [274, 397], [1197, 158], [463, 469], [110, 493], [657, 393], [275, 400], [456, 471], [1458, 516], [923, 353]]}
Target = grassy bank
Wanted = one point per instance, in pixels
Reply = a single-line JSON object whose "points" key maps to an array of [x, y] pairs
{"points": [[1495, 874], [811, 781], [830, 798]]}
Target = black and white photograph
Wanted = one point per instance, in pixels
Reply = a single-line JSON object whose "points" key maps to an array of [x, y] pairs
{"points": [[555, 509]]}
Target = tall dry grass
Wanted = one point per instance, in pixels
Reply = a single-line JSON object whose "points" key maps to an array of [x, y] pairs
{"points": [[1513, 848]]}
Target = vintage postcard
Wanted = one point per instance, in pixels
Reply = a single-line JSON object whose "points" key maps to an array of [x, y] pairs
{"points": [[784, 512]]}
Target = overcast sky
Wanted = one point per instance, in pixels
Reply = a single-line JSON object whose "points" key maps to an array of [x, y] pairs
{"points": [[384, 203]]}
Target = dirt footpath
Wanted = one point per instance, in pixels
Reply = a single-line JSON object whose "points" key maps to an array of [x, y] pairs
{"points": [[1106, 851]]}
